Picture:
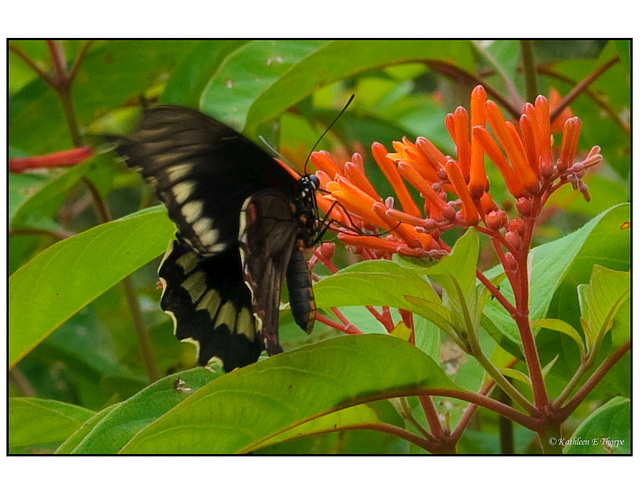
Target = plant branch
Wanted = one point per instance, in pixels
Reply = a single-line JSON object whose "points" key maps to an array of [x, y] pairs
{"points": [[593, 380], [141, 331], [459, 74], [60, 236], [581, 86], [31, 63], [495, 292], [494, 405], [432, 416], [529, 70]]}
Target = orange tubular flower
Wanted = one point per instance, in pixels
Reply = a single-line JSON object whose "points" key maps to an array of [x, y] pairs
{"points": [[478, 182], [543, 137], [409, 152], [469, 211], [513, 147], [554, 100], [391, 173], [355, 173], [522, 155], [436, 205], [570, 137], [402, 230], [66, 158], [322, 160], [495, 155], [355, 200], [458, 125]]}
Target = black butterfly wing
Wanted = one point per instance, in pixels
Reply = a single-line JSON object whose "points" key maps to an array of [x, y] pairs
{"points": [[212, 180], [268, 231], [210, 305], [202, 170]]}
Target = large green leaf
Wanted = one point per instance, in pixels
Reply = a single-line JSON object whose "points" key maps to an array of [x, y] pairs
{"points": [[122, 422], [283, 72], [66, 277], [39, 421], [607, 430], [376, 283], [607, 290], [243, 409], [190, 78], [558, 267]]}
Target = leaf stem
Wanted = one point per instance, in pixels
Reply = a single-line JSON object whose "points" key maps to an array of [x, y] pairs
{"points": [[581, 86], [141, 331], [529, 70], [593, 380]]}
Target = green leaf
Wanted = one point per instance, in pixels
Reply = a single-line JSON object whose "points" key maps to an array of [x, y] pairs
{"points": [[61, 280], [607, 290], [125, 420], [328, 64], [283, 72], [343, 419], [607, 430], [562, 327], [32, 196], [112, 73], [383, 283], [247, 73], [40, 421], [74, 440], [558, 267], [189, 80], [379, 283], [456, 273], [243, 409]]}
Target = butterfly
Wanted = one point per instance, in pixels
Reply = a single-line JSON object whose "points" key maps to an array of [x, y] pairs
{"points": [[243, 225]]}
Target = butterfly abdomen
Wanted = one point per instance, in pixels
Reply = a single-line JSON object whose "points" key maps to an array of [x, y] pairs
{"points": [[301, 301]]}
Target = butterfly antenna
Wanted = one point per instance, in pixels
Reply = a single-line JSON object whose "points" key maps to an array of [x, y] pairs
{"points": [[273, 150], [327, 130]]}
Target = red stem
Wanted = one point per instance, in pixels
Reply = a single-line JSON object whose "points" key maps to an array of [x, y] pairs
{"points": [[593, 380], [432, 416]]}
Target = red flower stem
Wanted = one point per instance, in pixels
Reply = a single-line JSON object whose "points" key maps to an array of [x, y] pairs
{"points": [[349, 328], [494, 235], [432, 416], [384, 317], [593, 380], [340, 316], [469, 411], [495, 292], [541, 400], [326, 262], [425, 443], [534, 424]]}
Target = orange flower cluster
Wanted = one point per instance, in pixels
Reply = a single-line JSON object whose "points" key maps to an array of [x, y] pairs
{"points": [[455, 191]]}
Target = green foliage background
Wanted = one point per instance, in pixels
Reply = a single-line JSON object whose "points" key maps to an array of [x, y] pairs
{"points": [[76, 367]]}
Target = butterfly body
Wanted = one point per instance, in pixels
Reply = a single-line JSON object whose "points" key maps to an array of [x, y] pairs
{"points": [[243, 224]]}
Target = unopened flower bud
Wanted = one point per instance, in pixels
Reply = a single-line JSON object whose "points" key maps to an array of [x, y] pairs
{"points": [[524, 206], [510, 263], [496, 220], [546, 169], [516, 225], [513, 238], [429, 224], [449, 213], [327, 249]]}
